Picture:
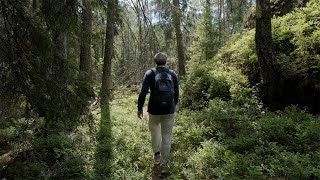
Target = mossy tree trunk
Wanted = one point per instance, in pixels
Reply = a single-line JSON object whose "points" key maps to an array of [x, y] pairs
{"points": [[220, 21], [209, 44], [106, 76], [270, 70], [180, 48], [34, 4], [85, 47], [103, 168]]}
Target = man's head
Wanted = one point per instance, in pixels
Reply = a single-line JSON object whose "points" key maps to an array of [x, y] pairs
{"points": [[160, 58]]}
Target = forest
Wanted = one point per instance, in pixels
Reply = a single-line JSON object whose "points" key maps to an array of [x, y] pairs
{"points": [[71, 72]]}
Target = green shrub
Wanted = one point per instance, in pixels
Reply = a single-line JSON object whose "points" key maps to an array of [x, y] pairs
{"points": [[290, 165], [187, 133], [131, 148], [294, 129], [72, 167], [200, 87], [53, 157], [6, 136], [208, 162], [229, 141], [212, 81]]}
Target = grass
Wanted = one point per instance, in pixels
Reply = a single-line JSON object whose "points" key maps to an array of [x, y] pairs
{"points": [[130, 142]]}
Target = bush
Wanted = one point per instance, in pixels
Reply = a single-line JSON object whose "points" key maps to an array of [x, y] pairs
{"points": [[52, 157], [200, 87], [294, 129], [228, 141], [208, 162], [211, 81]]}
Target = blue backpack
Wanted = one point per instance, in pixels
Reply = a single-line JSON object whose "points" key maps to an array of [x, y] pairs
{"points": [[164, 88]]}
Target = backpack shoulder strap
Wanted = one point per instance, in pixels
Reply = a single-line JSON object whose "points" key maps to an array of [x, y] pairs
{"points": [[154, 70], [170, 72]]}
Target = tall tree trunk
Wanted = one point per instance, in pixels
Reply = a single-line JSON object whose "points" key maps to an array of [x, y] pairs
{"points": [[106, 76], [102, 48], [104, 151], [141, 46], [221, 3], [60, 42], [85, 47], [270, 70], [34, 4], [59, 29], [209, 47], [229, 19], [180, 48]]}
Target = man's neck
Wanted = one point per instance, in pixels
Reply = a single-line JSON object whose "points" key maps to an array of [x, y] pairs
{"points": [[161, 65]]}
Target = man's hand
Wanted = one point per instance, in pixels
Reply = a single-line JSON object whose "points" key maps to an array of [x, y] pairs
{"points": [[140, 114]]}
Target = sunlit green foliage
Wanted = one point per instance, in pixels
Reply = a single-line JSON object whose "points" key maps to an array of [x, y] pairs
{"points": [[226, 140], [131, 141], [207, 82], [295, 37]]}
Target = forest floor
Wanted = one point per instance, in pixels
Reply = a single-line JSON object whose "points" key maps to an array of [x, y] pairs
{"points": [[131, 145]]}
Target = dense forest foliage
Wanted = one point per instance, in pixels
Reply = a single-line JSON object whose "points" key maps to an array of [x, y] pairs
{"points": [[70, 72]]}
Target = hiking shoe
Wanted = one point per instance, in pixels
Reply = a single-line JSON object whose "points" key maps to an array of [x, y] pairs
{"points": [[157, 158]]}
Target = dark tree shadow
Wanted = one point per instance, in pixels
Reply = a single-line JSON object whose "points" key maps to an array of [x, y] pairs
{"points": [[103, 155]]}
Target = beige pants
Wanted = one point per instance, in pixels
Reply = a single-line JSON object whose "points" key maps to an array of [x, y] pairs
{"points": [[160, 127]]}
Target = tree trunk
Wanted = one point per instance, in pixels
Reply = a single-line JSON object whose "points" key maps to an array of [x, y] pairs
{"points": [[180, 48], [270, 70], [58, 29], [102, 48], [34, 4], [85, 47], [229, 19], [209, 47], [106, 76], [221, 2], [60, 42]]}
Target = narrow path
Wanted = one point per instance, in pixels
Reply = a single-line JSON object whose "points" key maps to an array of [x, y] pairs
{"points": [[156, 172]]}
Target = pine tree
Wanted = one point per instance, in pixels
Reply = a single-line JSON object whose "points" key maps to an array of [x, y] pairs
{"points": [[179, 40], [270, 70], [85, 47]]}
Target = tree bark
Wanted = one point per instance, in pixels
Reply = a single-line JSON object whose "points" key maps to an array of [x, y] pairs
{"points": [[106, 76], [60, 42], [59, 29], [270, 70], [221, 4], [102, 48], [85, 47], [229, 19], [209, 47], [34, 4], [180, 48]]}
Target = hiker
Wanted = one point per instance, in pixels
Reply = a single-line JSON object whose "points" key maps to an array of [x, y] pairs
{"points": [[164, 86]]}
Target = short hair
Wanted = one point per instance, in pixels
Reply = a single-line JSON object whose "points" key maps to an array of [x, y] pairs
{"points": [[160, 58]]}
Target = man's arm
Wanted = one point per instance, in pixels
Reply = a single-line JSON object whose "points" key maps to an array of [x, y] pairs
{"points": [[176, 88], [144, 90]]}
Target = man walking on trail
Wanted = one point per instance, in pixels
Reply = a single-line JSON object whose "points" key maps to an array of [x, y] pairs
{"points": [[164, 86]]}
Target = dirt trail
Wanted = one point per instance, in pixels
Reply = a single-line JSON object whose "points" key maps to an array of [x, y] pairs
{"points": [[156, 172]]}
